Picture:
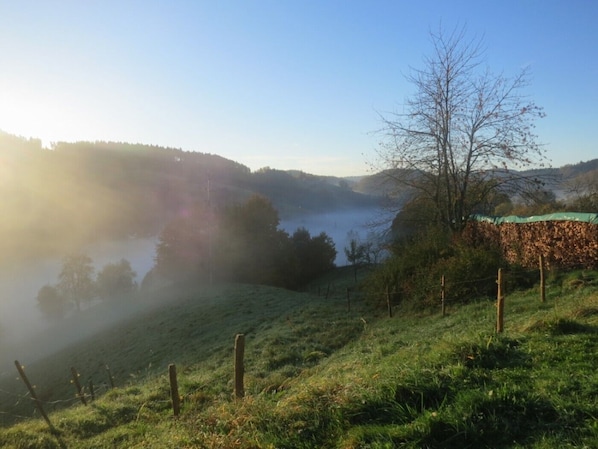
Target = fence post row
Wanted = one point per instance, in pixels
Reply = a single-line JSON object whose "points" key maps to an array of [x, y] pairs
{"points": [[239, 369], [239, 391], [500, 303]]}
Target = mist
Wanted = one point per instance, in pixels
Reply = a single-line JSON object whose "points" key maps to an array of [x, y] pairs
{"points": [[26, 335], [337, 225], [21, 320]]}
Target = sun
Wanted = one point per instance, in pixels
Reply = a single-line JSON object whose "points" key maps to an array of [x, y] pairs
{"points": [[25, 115]]}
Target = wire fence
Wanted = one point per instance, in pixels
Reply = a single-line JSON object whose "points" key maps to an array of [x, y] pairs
{"points": [[16, 403], [431, 290], [87, 394]]}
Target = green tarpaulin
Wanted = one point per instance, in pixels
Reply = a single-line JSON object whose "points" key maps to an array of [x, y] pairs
{"points": [[561, 216]]}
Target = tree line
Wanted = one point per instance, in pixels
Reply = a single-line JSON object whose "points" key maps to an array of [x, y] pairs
{"points": [[239, 243], [71, 194], [76, 284]]}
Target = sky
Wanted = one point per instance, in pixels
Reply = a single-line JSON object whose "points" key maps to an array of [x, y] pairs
{"points": [[283, 84]]}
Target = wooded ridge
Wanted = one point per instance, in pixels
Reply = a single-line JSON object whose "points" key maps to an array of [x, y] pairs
{"points": [[59, 198], [75, 193]]}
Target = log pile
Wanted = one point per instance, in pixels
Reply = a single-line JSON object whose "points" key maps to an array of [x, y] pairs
{"points": [[564, 244]]}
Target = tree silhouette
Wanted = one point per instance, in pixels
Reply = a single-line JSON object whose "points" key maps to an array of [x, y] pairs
{"points": [[51, 303], [356, 253], [116, 279], [315, 255], [184, 245], [251, 247], [75, 280]]}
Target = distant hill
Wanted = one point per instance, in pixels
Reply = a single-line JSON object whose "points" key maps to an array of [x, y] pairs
{"points": [[74, 193], [79, 192], [560, 180], [571, 171], [298, 193], [557, 179]]}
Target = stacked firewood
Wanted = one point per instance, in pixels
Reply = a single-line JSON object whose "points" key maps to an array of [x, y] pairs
{"points": [[564, 244]]}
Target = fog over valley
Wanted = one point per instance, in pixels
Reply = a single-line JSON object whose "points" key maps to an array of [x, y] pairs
{"points": [[338, 225], [21, 319], [175, 217]]}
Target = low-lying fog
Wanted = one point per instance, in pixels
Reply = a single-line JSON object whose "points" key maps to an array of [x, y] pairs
{"points": [[337, 225], [20, 318]]}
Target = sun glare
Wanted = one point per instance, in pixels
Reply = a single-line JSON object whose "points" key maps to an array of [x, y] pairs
{"points": [[23, 115]]}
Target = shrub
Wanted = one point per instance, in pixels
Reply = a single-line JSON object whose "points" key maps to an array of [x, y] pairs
{"points": [[416, 267], [469, 272]]}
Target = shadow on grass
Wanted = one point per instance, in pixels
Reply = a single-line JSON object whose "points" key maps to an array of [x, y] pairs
{"points": [[494, 353], [563, 326], [471, 419]]}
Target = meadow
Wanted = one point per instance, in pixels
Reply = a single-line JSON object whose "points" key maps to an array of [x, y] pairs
{"points": [[319, 374]]}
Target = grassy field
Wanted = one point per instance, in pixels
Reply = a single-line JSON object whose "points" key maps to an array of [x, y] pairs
{"points": [[320, 376]]}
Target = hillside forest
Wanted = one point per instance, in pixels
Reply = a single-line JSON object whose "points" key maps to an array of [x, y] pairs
{"points": [[58, 200]]}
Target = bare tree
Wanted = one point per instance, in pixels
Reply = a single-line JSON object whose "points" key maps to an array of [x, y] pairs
{"points": [[356, 253], [463, 132]]}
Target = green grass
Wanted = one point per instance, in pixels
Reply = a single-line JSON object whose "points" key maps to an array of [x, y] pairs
{"points": [[319, 376]]}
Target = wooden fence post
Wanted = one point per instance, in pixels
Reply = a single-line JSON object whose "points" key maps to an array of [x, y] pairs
{"points": [[174, 390], [239, 367], [500, 303], [110, 378], [92, 391], [348, 300], [38, 403], [542, 280], [443, 295], [80, 394]]}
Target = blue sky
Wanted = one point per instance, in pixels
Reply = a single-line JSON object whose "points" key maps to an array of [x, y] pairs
{"points": [[285, 84]]}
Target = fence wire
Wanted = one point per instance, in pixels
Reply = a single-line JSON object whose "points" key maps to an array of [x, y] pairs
{"points": [[328, 290]]}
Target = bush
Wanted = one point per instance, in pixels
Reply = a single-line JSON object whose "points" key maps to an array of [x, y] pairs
{"points": [[416, 267], [469, 273]]}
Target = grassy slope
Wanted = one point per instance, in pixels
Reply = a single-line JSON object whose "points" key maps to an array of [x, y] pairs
{"points": [[320, 376]]}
